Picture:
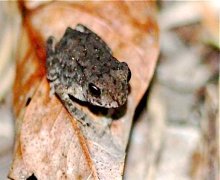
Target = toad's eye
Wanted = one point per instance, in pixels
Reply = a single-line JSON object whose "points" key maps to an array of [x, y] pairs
{"points": [[129, 75], [94, 90]]}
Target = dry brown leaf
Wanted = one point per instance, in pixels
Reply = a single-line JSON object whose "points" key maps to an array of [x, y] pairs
{"points": [[50, 144]]}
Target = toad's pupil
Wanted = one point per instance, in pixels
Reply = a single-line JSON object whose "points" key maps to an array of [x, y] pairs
{"points": [[94, 90]]}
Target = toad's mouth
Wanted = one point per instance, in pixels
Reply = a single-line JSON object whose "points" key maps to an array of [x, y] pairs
{"points": [[95, 102], [110, 111], [113, 104]]}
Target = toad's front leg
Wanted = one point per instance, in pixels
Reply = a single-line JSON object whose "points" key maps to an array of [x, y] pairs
{"points": [[71, 107], [79, 115]]}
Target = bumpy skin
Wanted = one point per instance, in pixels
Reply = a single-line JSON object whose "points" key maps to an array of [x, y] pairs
{"points": [[82, 65]]}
